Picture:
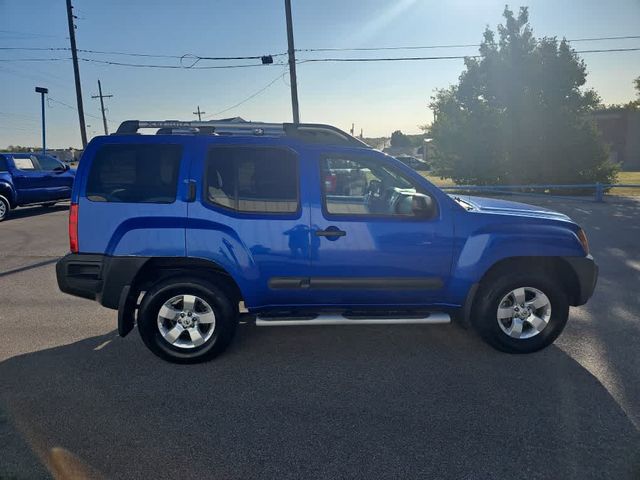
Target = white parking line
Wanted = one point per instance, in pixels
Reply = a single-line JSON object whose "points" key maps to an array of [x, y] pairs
{"points": [[102, 345]]}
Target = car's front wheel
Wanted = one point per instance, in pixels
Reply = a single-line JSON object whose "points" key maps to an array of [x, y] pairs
{"points": [[521, 312], [186, 320], [4, 208]]}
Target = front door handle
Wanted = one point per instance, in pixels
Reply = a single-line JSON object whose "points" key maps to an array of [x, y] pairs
{"points": [[331, 233]]}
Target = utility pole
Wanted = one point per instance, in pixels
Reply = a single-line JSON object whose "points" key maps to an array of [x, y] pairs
{"points": [[43, 91], [76, 73], [199, 113], [352, 127], [292, 63], [101, 97]]}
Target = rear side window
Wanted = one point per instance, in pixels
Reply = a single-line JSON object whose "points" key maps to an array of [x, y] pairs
{"points": [[27, 162], [135, 174], [4, 167], [253, 179]]}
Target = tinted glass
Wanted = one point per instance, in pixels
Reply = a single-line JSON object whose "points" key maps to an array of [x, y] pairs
{"points": [[48, 163], [3, 164], [135, 174], [253, 179], [25, 162], [364, 187]]}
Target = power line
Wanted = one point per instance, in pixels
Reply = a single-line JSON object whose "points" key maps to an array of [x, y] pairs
{"points": [[176, 67], [425, 47], [33, 59], [136, 65], [308, 60], [253, 95], [36, 49], [604, 50], [331, 49], [49, 99], [449, 57]]}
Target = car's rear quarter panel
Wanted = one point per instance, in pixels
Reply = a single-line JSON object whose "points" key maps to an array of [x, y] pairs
{"points": [[127, 229]]}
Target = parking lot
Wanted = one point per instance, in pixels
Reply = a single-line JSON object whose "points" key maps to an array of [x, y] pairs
{"points": [[318, 402]]}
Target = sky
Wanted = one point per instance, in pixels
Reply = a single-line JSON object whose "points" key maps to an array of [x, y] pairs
{"points": [[377, 97]]}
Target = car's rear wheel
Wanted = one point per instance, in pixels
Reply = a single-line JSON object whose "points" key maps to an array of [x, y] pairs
{"points": [[521, 312], [4, 208], [186, 320]]}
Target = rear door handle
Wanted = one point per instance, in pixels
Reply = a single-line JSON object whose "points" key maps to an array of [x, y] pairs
{"points": [[332, 233]]}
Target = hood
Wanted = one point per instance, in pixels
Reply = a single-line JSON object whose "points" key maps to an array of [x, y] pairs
{"points": [[507, 207]]}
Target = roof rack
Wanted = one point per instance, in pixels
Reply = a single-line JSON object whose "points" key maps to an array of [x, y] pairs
{"points": [[306, 132]]}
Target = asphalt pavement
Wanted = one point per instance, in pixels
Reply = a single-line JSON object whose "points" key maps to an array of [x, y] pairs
{"points": [[366, 402]]}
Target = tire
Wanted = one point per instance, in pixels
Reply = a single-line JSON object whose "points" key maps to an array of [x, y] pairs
{"points": [[4, 209], [517, 334], [159, 322]]}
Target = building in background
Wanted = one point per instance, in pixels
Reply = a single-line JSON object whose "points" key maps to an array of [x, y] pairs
{"points": [[66, 155], [620, 130]]}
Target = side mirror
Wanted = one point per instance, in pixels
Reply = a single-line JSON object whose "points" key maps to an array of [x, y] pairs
{"points": [[423, 206]]}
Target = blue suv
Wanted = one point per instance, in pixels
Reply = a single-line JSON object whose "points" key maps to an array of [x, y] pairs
{"points": [[188, 230]]}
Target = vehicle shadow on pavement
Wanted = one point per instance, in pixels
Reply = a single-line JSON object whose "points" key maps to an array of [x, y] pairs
{"points": [[36, 210], [604, 334], [308, 402]]}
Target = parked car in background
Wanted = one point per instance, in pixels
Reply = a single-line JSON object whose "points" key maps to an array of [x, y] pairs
{"points": [[30, 178], [414, 162]]}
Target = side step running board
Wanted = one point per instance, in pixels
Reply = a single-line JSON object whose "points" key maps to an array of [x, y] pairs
{"points": [[337, 319]]}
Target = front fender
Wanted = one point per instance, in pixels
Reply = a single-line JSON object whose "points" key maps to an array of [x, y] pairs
{"points": [[483, 249]]}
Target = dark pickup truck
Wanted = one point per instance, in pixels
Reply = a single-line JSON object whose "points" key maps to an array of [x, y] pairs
{"points": [[28, 179]]}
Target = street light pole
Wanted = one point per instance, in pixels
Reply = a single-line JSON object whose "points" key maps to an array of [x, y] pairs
{"points": [[43, 91]]}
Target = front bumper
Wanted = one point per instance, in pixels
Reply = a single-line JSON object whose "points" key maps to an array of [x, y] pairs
{"points": [[586, 271]]}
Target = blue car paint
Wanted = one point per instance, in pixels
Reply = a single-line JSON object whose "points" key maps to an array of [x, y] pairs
{"points": [[458, 246], [24, 187]]}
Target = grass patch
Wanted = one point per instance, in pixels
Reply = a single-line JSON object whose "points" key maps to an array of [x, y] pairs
{"points": [[627, 177]]}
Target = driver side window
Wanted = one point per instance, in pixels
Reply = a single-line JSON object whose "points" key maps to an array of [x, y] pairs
{"points": [[361, 186], [48, 163]]}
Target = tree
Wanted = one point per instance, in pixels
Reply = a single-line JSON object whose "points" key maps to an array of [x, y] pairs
{"points": [[635, 104], [399, 139], [518, 114]]}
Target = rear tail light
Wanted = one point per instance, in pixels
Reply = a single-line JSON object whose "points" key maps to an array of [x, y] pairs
{"points": [[73, 228]]}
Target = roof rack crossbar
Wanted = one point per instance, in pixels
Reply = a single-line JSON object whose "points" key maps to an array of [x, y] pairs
{"points": [[306, 132], [255, 128]]}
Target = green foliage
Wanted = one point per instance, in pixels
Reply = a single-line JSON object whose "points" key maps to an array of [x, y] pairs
{"points": [[17, 149], [399, 139], [519, 115], [635, 104]]}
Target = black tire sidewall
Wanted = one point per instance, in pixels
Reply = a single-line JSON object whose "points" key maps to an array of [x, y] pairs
{"points": [[226, 320], [485, 317]]}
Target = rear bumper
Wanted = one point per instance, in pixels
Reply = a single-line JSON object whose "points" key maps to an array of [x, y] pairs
{"points": [[80, 275], [586, 271], [97, 277]]}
